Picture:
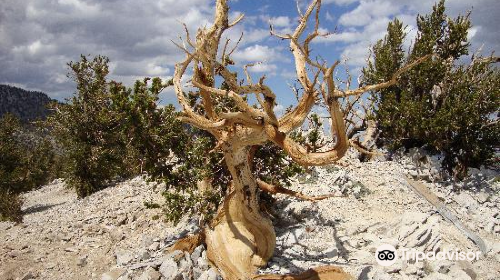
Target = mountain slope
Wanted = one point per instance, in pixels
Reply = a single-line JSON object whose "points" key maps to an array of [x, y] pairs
{"points": [[26, 105]]}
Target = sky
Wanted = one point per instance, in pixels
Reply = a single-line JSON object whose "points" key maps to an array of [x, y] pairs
{"points": [[39, 37]]}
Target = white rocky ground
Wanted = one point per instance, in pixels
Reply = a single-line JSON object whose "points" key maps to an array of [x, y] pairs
{"points": [[111, 234]]}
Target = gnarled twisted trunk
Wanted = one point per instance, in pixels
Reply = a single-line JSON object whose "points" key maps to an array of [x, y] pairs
{"points": [[241, 238]]}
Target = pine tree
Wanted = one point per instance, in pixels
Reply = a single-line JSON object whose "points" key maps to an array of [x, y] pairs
{"points": [[441, 103], [27, 161], [88, 129]]}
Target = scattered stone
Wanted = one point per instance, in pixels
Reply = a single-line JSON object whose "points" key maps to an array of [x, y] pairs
{"points": [[50, 265], [382, 276], [143, 254], [209, 275], [413, 173], [27, 276], [113, 274], [116, 235], [146, 241], [123, 257], [169, 270], [457, 273], [66, 238], [82, 261], [154, 246], [71, 249], [359, 190], [4, 226], [155, 264], [13, 254], [186, 264], [197, 272], [150, 274], [438, 276], [483, 197], [197, 253], [336, 230], [203, 262]]}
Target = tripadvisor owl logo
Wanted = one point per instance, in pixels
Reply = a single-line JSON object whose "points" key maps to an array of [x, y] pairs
{"points": [[386, 255]]}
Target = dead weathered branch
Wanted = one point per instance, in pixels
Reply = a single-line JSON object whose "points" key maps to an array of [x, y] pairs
{"points": [[382, 85]]}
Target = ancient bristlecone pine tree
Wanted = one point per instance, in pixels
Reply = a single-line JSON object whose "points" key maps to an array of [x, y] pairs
{"points": [[241, 238]]}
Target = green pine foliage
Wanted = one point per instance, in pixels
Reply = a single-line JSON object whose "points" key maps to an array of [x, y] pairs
{"points": [[109, 131], [88, 129], [149, 133], [442, 103], [27, 160]]}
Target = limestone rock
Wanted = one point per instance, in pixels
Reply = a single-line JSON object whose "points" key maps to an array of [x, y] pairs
{"points": [[113, 274], [124, 257], [150, 274], [210, 274], [170, 270], [197, 253]]}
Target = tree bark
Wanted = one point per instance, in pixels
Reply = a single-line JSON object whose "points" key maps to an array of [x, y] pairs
{"points": [[241, 238]]}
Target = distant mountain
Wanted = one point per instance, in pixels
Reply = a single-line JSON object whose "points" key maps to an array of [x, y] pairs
{"points": [[26, 105]]}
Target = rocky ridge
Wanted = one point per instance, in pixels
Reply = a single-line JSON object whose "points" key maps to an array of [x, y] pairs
{"points": [[112, 235], [26, 105]]}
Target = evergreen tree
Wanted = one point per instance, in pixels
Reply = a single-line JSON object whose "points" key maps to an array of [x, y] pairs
{"points": [[440, 103], [27, 160], [88, 129]]}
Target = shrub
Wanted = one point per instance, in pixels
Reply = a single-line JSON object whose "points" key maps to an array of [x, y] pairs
{"points": [[149, 133], [27, 160], [10, 206], [449, 107], [88, 129]]}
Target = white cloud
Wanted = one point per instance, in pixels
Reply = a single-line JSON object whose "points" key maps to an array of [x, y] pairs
{"points": [[267, 68], [40, 36], [366, 12], [281, 21], [257, 53], [251, 34], [346, 37], [367, 23], [289, 75]]}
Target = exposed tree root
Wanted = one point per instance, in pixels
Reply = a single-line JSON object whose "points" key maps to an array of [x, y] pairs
{"points": [[317, 273], [188, 243], [279, 189]]}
